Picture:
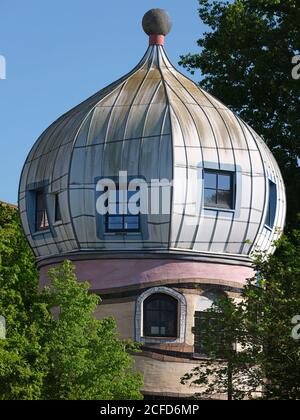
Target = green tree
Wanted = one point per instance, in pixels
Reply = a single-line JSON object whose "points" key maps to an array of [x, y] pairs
{"points": [[86, 358], [54, 347], [246, 61], [266, 361], [22, 361]]}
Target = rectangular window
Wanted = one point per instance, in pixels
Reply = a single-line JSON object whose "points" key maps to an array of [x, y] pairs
{"points": [[122, 223], [208, 328], [57, 213], [41, 216], [271, 212], [218, 189]]}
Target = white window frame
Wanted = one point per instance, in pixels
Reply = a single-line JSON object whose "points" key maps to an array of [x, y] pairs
{"points": [[139, 316]]}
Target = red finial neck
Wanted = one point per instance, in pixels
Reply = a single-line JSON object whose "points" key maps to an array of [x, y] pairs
{"points": [[156, 40]]}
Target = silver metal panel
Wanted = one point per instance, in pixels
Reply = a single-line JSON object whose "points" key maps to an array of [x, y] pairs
{"points": [[153, 123]]}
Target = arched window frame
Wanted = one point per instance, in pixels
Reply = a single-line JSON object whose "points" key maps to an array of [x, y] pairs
{"points": [[139, 316]]}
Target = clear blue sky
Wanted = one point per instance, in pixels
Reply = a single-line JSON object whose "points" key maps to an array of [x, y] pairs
{"points": [[60, 52]]}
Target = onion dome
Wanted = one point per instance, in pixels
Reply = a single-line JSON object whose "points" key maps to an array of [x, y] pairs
{"points": [[153, 124]]}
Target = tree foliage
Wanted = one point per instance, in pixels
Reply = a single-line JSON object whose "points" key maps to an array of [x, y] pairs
{"points": [[264, 361], [246, 61], [85, 357], [54, 346], [22, 361]]}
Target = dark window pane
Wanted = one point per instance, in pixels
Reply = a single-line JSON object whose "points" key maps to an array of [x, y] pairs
{"points": [[120, 222], [115, 222], [210, 198], [224, 182], [224, 199], [218, 190], [271, 212], [210, 180], [160, 316], [131, 222], [153, 305], [41, 216], [57, 216]]}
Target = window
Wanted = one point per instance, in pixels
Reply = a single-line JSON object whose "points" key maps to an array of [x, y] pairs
{"points": [[122, 223], [271, 212], [41, 216], [171, 323], [218, 189], [160, 316], [57, 213], [208, 329]]}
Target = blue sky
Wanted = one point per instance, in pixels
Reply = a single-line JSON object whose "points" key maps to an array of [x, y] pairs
{"points": [[59, 53]]}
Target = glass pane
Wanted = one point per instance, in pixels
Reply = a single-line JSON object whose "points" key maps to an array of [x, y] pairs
{"points": [[168, 321], [163, 331], [210, 180], [41, 217], [224, 182], [131, 222], [168, 305], [157, 320], [115, 223], [224, 199], [210, 198], [57, 209], [272, 204], [154, 330], [122, 201], [152, 304]]}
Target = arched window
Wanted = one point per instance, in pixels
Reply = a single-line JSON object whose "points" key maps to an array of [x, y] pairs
{"points": [[160, 316]]}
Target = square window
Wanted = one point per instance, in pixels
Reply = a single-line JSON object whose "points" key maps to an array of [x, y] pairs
{"points": [[121, 222], [218, 189]]}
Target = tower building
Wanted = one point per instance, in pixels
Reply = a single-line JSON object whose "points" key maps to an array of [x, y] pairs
{"points": [[207, 190]]}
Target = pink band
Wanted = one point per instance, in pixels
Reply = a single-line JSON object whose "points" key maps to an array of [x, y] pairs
{"points": [[156, 39]]}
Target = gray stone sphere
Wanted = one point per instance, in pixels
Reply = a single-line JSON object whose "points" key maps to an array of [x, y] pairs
{"points": [[157, 22]]}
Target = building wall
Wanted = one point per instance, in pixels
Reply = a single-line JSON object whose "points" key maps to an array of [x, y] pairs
{"points": [[123, 313], [120, 275], [162, 377], [163, 361]]}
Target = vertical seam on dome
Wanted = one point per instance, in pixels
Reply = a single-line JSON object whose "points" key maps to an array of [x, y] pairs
{"points": [[146, 117], [32, 246], [252, 185], [130, 109], [177, 241], [201, 150], [63, 125], [235, 168], [249, 252], [172, 143], [273, 167], [72, 154], [242, 124], [116, 85], [214, 136], [167, 111]]}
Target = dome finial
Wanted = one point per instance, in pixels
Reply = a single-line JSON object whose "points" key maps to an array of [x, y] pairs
{"points": [[157, 24]]}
